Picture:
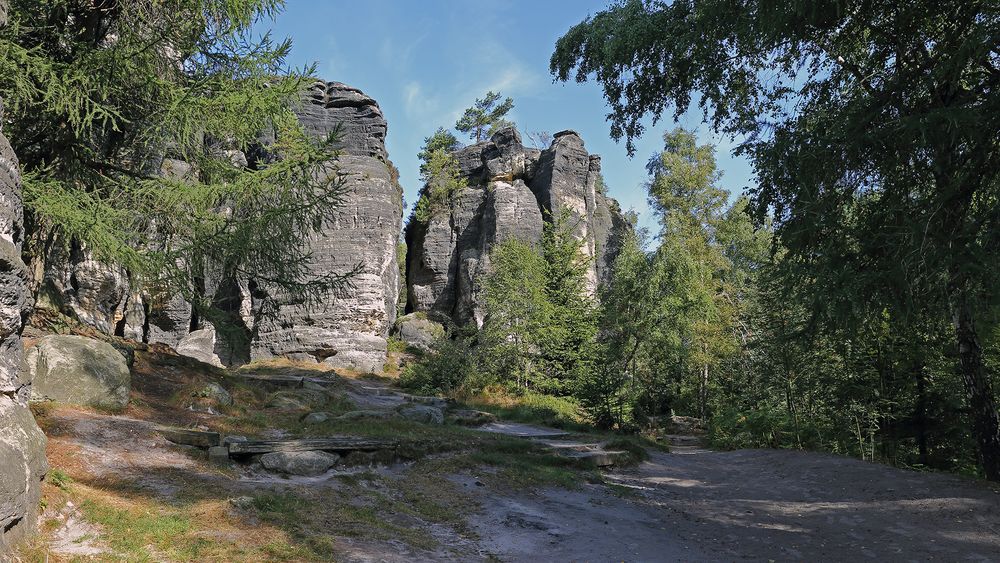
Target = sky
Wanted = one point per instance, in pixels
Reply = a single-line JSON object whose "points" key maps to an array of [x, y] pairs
{"points": [[425, 61]]}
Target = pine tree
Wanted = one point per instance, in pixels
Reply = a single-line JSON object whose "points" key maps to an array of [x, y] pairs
{"points": [[485, 117], [99, 94]]}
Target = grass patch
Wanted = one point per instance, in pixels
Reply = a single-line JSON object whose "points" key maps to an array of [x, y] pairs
{"points": [[396, 345], [531, 408], [359, 513], [59, 478]]}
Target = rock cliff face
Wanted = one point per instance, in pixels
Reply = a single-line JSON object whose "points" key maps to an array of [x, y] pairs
{"points": [[511, 191], [22, 444], [347, 330], [351, 329]]}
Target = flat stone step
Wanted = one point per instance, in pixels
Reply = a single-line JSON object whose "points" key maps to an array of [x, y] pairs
{"points": [[598, 458], [683, 440], [189, 437], [331, 444], [295, 381], [522, 430]]}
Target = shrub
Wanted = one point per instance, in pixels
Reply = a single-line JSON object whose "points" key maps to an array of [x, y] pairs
{"points": [[449, 365]]}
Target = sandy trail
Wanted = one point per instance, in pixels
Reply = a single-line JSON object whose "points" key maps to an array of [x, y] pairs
{"points": [[751, 504], [690, 505]]}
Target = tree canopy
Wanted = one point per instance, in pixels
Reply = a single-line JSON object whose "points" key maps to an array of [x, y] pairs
{"points": [[873, 130], [161, 136]]}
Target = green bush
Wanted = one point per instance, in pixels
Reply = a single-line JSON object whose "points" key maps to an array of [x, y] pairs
{"points": [[450, 364]]}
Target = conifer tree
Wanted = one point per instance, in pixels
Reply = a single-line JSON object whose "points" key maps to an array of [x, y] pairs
{"points": [[98, 95]]}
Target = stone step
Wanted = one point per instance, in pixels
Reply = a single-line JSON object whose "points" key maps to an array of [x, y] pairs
{"points": [[279, 380], [332, 444], [596, 458], [189, 437], [522, 430], [684, 440]]}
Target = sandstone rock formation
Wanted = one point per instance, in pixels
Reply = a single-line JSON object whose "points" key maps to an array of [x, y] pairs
{"points": [[79, 371], [511, 191], [22, 444], [346, 330], [350, 330]]}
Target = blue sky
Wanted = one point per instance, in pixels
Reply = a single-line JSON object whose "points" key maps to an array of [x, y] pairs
{"points": [[424, 61]]}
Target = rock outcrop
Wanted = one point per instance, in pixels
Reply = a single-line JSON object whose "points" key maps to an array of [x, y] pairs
{"points": [[512, 191], [347, 330], [22, 444], [350, 329]]}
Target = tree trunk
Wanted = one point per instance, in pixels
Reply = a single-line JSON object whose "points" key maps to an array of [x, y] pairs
{"points": [[921, 414], [982, 404], [703, 392]]}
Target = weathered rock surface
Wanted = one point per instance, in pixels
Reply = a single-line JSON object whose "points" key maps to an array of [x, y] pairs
{"points": [[306, 463], [22, 444], [201, 345], [511, 191], [79, 371], [347, 330], [350, 329], [422, 413], [22, 467]]}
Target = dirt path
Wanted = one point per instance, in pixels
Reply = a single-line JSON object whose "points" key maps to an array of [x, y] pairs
{"points": [[751, 504], [689, 505]]}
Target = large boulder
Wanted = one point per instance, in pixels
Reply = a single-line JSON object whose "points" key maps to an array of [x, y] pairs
{"points": [[419, 331], [349, 329], [22, 467], [307, 463], [511, 191], [208, 346], [22, 444], [79, 371]]}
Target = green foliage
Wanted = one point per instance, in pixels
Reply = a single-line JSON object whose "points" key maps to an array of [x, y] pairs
{"points": [[102, 100], [442, 179], [567, 339], [517, 309], [539, 330], [441, 140], [873, 141], [670, 318], [540, 325], [486, 116], [59, 478], [449, 365]]}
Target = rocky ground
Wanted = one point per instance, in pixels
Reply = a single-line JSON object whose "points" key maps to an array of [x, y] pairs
{"points": [[120, 490]]}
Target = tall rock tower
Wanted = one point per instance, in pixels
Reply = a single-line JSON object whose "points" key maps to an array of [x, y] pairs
{"points": [[22, 444], [351, 329]]}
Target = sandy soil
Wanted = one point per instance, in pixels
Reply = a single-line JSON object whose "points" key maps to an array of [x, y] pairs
{"points": [[690, 505], [751, 504]]}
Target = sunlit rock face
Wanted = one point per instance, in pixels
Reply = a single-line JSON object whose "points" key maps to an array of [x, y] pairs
{"points": [[22, 444], [348, 329], [512, 190]]}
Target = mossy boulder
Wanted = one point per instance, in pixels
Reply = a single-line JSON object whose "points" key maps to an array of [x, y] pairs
{"points": [[79, 371]]}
